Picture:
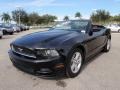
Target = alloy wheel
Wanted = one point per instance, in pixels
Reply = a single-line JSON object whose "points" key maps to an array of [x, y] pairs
{"points": [[76, 62], [108, 44]]}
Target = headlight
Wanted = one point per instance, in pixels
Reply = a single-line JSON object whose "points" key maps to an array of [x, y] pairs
{"points": [[12, 48], [47, 53]]}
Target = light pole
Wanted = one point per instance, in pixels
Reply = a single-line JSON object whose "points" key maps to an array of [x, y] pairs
{"points": [[19, 21], [0, 17]]}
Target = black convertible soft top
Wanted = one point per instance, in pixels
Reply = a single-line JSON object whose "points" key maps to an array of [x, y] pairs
{"points": [[98, 27]]}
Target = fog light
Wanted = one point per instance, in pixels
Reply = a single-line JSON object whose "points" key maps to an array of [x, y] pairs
{"points": [[44, 70]]}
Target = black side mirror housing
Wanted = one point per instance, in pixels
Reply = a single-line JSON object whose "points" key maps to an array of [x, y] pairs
{"points": [[90, 32]]}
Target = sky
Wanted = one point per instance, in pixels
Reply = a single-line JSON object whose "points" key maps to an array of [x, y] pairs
{"points": [[61, 8]]}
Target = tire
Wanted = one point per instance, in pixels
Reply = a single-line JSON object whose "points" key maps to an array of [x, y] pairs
{"points": [[18, 31], [73, 67], [4, 32], [0, 37], [119, 31], [11, 33], [107, 47]]}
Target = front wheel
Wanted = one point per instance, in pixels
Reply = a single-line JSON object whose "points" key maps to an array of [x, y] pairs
{"points": [[4, 32], [0, 37], [74, 63], [107, 47], [119, 31]]}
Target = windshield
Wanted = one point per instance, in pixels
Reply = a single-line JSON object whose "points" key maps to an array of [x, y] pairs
{"points": [[72, 25]]}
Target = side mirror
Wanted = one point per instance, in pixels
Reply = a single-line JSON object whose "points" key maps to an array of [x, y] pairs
{"points": [[91, 33], [83, 31]]}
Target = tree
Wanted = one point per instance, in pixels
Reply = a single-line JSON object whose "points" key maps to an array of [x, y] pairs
{"points": [[6, 17], [100, 16], [78, 15], [33, 18], [116, 18], [22, 14], [66, 18], [48, 18]]}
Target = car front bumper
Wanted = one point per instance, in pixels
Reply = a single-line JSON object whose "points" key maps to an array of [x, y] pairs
{"points": [[37, 67]]}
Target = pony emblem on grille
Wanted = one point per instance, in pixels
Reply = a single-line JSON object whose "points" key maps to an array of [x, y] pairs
{"points": [[20, 49]]}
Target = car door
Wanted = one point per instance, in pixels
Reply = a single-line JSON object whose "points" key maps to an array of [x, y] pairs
{"points": [[95, 41]]}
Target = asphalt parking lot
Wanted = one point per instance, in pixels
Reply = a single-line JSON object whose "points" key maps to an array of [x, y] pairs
{"points": [[101, 73]]}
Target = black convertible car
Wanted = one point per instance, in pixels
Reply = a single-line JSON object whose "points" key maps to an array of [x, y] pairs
{"points": [[63, 48]]}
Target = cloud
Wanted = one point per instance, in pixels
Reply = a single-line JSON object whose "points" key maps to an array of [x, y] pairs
{"points": [[36, 3], [29, 3]]}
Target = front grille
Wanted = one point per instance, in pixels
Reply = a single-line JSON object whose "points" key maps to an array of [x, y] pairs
{"points": [[23, 51]]}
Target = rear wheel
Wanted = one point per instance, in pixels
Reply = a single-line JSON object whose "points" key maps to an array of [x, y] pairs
{"points": [[107, 46], [11, 33], [74, 63]]}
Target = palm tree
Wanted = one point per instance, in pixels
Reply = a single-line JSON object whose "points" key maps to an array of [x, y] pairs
{"points": [[6, 17], [78, 15], [66, 18]]}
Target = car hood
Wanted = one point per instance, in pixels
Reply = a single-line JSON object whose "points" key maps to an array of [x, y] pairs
{"points": [[7, 28], [51, 38]]}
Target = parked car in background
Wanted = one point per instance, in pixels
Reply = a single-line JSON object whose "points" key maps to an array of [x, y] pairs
{"points": [[22, 27], [31, 27], [27, 27], [63, 48], [114, 27], [15, 27], [7, 29], [1, 33]]}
